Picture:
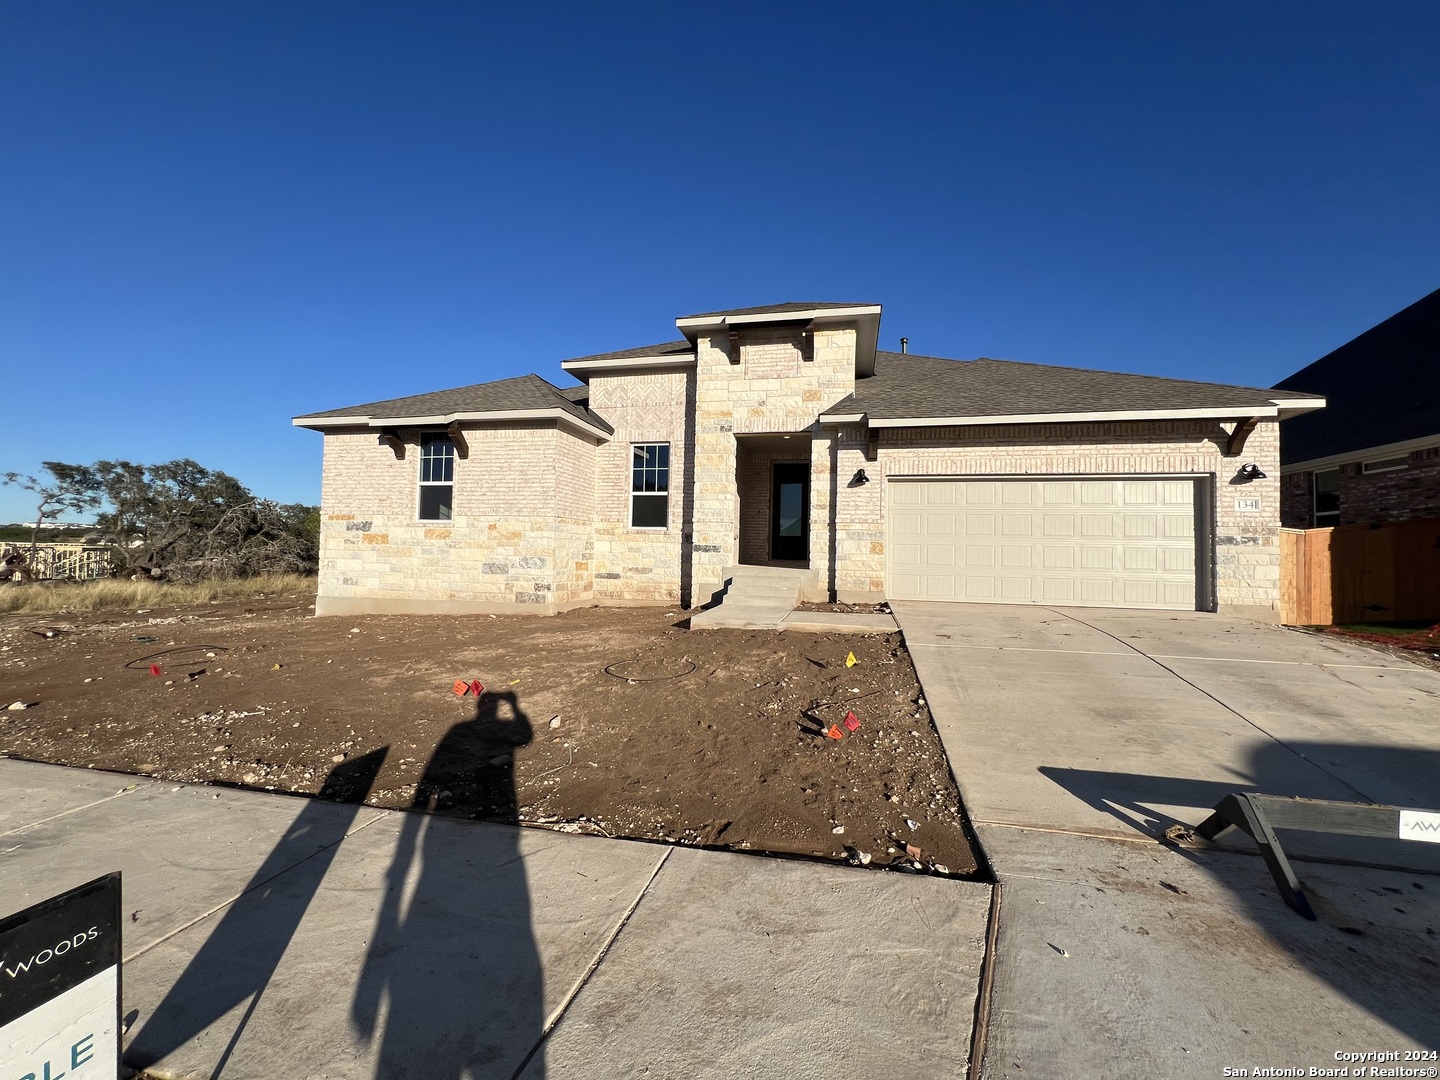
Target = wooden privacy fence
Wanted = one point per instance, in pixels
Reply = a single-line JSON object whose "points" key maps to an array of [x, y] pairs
{"points": [[1360, 573]]}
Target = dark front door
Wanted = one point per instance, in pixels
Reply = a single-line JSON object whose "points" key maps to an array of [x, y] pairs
{"points": [[790, 513]]}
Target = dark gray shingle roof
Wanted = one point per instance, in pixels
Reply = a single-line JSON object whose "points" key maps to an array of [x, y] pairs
{"points": [[524, 392], [906, 385], [773, 309], [1383, 387], [668, 348]]}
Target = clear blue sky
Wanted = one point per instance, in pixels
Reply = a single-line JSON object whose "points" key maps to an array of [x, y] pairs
{"points": [[214, 216]]}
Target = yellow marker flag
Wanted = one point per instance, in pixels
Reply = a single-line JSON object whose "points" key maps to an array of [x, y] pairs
{"points": [[850, 660]]}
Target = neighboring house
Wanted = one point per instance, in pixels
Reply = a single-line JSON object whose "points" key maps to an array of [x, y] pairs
{"points": [[781, 435], [1373, 455]]}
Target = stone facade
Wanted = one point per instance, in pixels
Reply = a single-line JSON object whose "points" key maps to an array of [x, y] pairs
{"points": [[1408, 494], [773, 389], [542, 511], [641, 565], [1247, 554], [519, 536]]}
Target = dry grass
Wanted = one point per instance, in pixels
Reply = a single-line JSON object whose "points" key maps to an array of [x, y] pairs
{"points": [[117, 595]]}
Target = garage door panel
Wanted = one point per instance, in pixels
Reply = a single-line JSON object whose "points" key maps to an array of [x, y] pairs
{"points": [[1098, 541], [980, 588], [1141, 558], [939, 555], [1017, 525], [1056, 590], [1175, 560], [1015, 556], [1057, 558], [906, 495], [903, 556], [1057, 524]]}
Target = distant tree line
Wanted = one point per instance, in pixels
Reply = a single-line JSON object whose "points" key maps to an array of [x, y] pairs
{"points": [[178, 520]]}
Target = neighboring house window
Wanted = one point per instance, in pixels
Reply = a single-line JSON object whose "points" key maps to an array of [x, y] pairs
{"points": [[1327, 497], [650, 485], [437, 477], [1385, 465]]}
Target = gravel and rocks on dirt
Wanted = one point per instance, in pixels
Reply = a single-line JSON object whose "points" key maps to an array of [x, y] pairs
{"points": [[619, 722]]}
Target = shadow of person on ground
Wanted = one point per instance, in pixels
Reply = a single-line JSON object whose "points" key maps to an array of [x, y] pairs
{"points": [[452, 985], [239, 958], [1377, 898]]}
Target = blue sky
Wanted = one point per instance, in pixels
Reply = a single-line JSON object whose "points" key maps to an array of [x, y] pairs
{"points": [[214, 216]]}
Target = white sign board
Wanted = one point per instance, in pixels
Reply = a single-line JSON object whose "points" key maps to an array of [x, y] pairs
{"points": [[1420, 825], [1248, 506], [60, 986]]}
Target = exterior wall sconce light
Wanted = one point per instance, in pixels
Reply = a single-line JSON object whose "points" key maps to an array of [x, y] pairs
{"points": [[1251, 472], [859, 477]]}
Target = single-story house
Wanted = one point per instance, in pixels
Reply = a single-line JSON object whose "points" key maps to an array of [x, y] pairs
{"points": [[1374, 454], [783, 435]]}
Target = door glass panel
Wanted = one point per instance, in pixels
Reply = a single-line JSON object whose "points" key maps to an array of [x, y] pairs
{"points": [[792, 509]]}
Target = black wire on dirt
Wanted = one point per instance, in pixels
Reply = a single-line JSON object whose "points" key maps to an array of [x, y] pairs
{"points": [[646, 678], [178, 649]]}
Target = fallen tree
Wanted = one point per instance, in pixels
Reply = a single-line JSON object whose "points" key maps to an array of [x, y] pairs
{"points": [[180, 521]]}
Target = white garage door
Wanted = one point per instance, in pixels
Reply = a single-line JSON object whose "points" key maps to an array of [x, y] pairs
{"points": [[1099, 542]]}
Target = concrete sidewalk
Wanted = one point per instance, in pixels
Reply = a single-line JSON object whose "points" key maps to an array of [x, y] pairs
{"points": [[277, 936], [1078, 736]]}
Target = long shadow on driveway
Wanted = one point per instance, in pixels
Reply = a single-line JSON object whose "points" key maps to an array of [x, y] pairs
{"points": [[1377, 939]]}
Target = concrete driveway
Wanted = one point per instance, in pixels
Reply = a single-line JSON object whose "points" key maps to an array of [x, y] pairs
{"points": [[1078, 735]]}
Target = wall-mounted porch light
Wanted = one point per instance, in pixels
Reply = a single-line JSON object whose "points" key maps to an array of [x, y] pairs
{"points": [[1251, 472], [859, 477]]}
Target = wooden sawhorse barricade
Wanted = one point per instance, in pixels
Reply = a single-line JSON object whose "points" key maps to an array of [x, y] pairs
{"points": [[1260, 815]]}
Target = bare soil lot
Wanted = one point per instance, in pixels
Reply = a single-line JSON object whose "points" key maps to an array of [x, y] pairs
{"points": [[619, 722]]}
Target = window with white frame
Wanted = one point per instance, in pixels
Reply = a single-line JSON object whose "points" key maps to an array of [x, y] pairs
{"points": [[650, 485], [1325, 497], [1385, 465], [437, 477]]}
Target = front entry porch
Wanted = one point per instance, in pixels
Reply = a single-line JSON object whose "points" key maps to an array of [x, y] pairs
{"points": [[772, 478]]}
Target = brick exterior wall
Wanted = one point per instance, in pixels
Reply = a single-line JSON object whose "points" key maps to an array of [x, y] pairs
{"points": [[515, 539], [641, 565], [1247, 571], [1412, 493]]}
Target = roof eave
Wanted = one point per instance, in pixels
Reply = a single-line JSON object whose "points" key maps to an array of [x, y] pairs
{"points": [[1229, 412], [1298, 406], [865, 316], [584, 369], [329, 423]]}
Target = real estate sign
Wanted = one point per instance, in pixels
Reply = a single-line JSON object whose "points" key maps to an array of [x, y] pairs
{"points": [[60, 986]]}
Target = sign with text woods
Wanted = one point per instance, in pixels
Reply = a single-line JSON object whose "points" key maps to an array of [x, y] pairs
{"points": [[60, 986]]}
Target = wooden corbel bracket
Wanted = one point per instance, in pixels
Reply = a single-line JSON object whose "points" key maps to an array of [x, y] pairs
{"points": [[734, 346], [1236, 446], [872, 445], [457, 439], [391, 437]]}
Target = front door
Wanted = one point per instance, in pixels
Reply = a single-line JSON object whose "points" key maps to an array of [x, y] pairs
{"points": [[790, 513]]}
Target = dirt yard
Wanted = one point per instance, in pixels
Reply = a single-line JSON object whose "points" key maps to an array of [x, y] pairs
{"points": [[613, 721]]}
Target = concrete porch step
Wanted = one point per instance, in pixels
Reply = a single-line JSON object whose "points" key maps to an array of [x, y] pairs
{"points": [[748, 572]]}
